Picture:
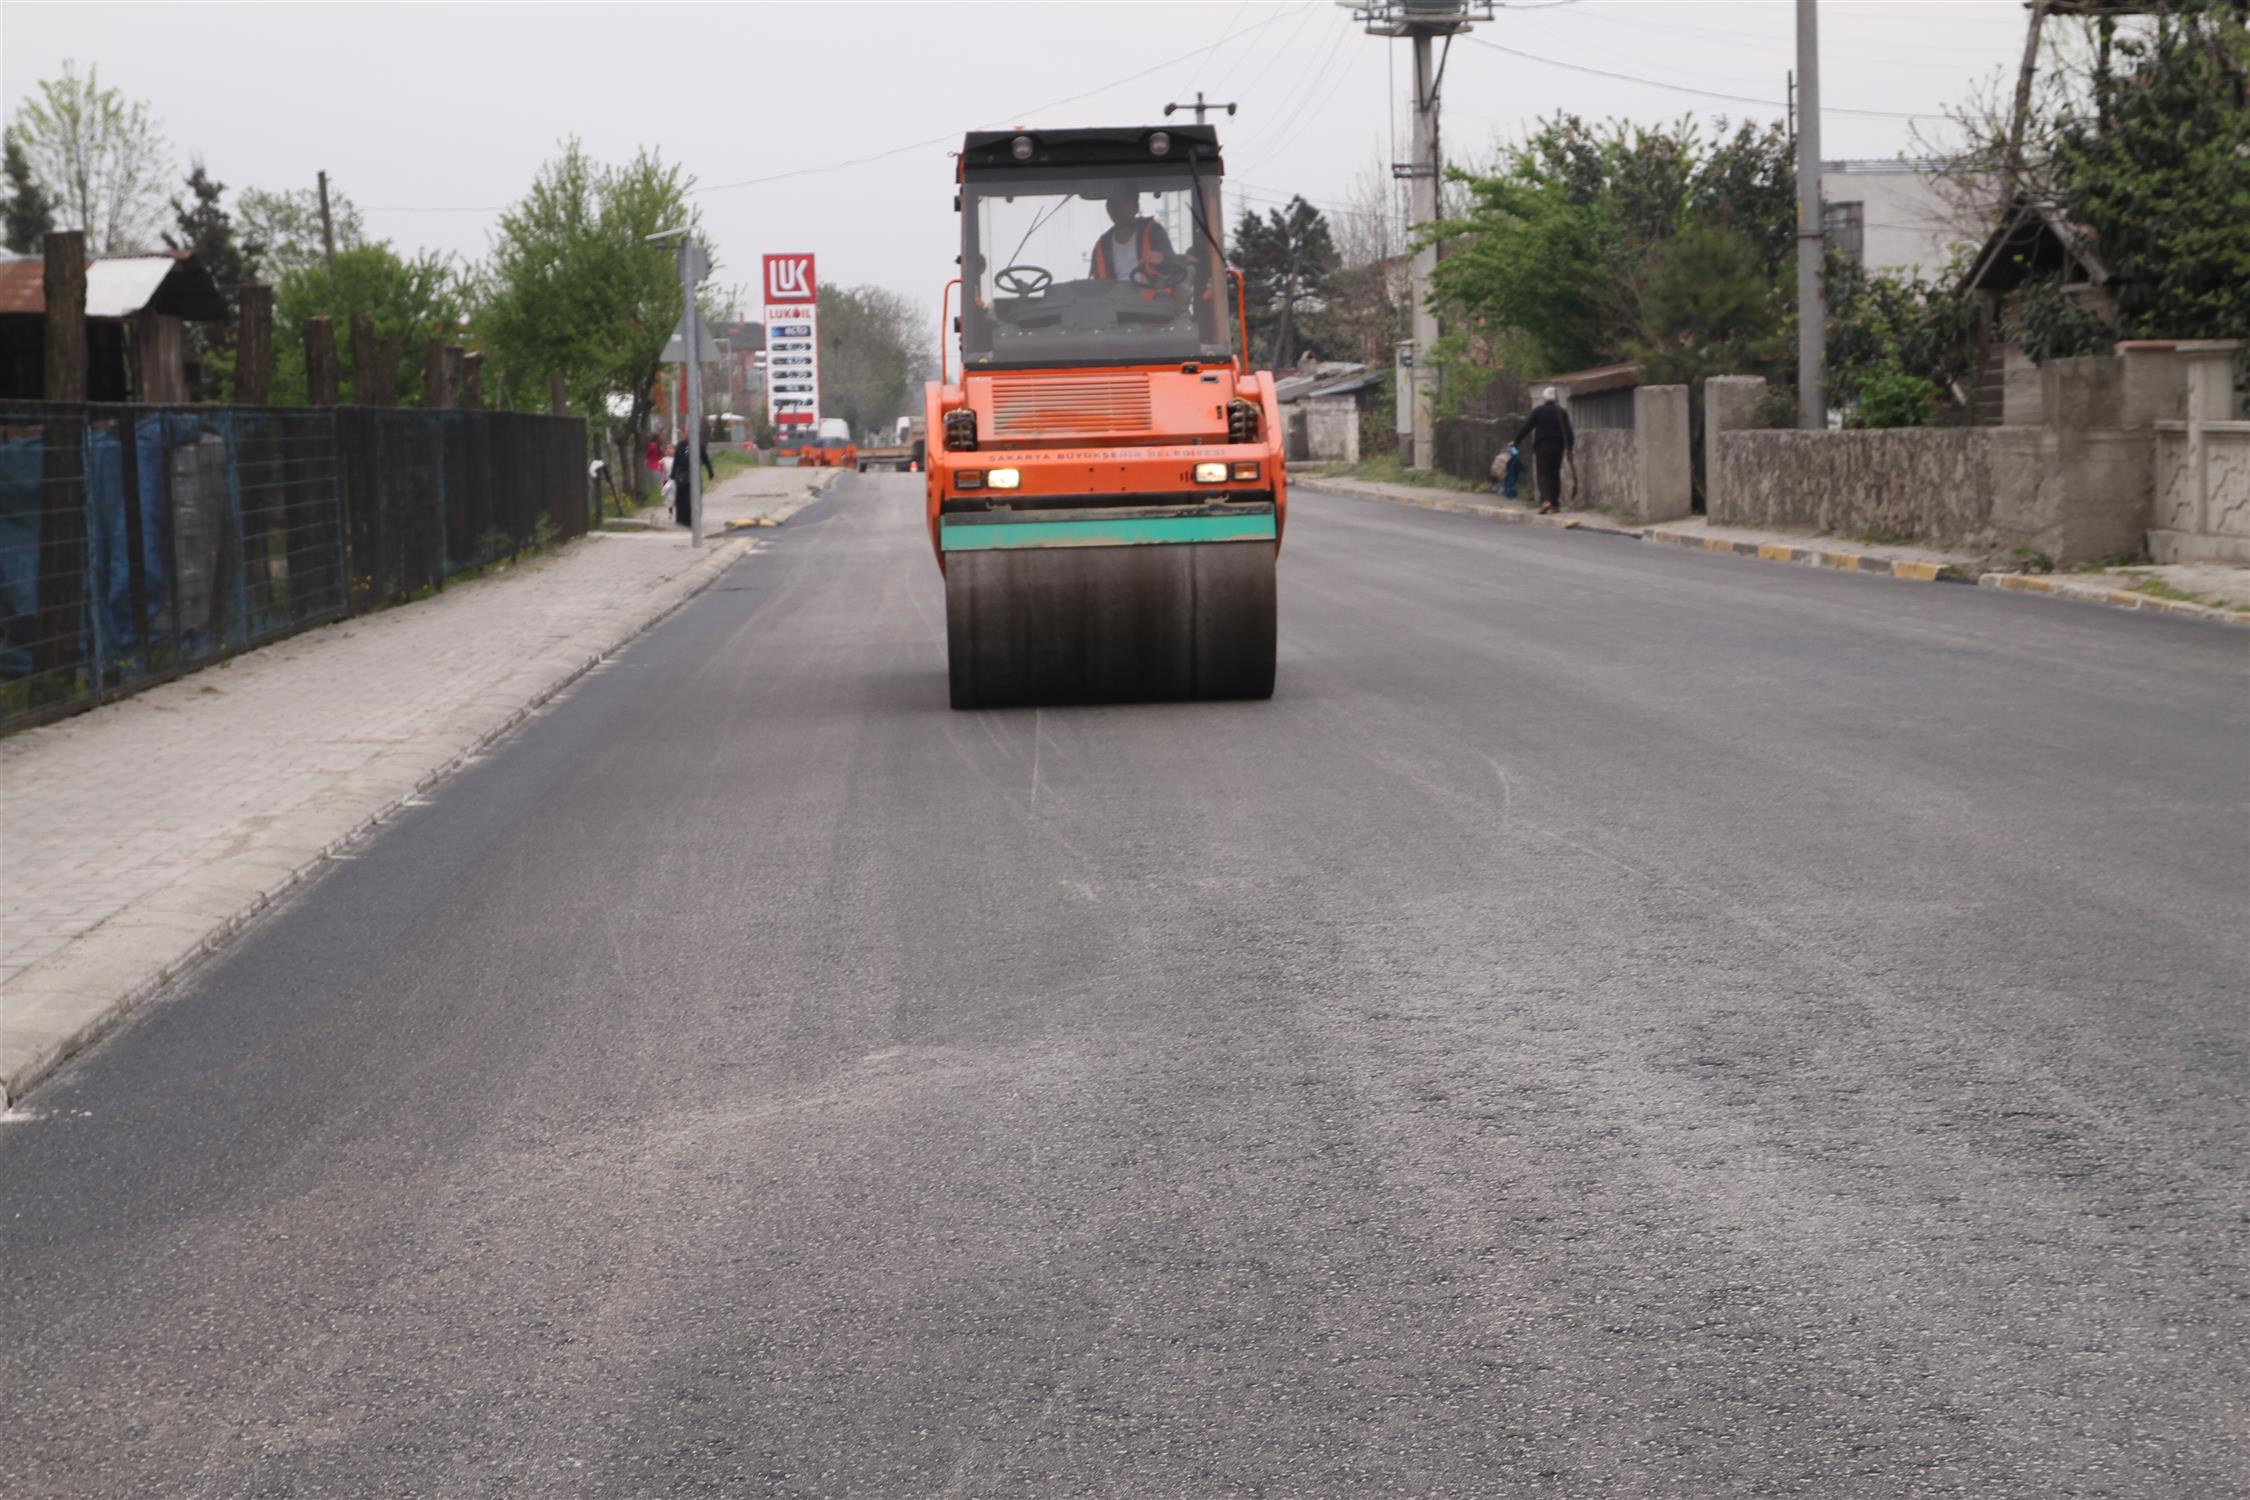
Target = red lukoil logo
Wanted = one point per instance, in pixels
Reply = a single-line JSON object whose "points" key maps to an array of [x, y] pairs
{"points": [[789, 278]]}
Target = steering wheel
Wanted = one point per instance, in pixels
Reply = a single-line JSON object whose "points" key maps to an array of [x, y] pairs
{"points": [[1024, 280], [1161, 276]]}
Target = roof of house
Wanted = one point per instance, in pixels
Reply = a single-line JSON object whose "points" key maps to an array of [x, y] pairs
{"points": [[1312, 378], [2032, 240], [1598, 379], [119, 286]]}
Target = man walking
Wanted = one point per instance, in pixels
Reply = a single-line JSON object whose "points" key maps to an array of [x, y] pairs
{"points": [[682, 500], [1549, 428]]}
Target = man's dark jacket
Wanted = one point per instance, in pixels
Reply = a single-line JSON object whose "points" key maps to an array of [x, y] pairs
{"points": [[1549, 426]]}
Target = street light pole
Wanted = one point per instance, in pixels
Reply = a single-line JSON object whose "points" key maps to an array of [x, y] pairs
{"points": [[690, 323], [692, 263]]}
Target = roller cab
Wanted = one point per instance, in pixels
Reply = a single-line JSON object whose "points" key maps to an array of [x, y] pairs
{"points": [[1105, 486]]}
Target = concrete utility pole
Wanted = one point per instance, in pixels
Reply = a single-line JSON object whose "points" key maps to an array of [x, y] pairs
{"points": [[1421, 22], [1812, 295]]}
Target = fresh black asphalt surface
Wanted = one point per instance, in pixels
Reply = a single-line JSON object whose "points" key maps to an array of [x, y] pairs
{"points": [[1618, 1022]]}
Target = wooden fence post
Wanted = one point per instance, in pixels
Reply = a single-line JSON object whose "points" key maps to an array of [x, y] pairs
{"points": [[436, 393], [61, 587], [558, 393], [472, 382], [321, 374], [387, 354], [253, 349], [364, 379]]}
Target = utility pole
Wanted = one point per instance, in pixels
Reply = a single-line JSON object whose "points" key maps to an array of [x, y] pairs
{"points": [[327, 225], [1812, 298], [1198, 106], [1422, 22]]}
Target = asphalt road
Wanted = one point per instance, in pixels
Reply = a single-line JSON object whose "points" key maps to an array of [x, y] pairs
{"points": [[1619, 1022]]}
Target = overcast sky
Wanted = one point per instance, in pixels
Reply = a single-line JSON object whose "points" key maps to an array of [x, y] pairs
{"points": [[431, 117]]}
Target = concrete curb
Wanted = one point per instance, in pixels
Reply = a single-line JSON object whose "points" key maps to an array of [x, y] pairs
{"points": [[20, 1076], [2094, 593], [1813, 557], [1816, 557]]}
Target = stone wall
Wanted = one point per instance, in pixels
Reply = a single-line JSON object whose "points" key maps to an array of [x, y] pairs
{"points": [[2076, 486], [1930, 483], [1609, 470]]}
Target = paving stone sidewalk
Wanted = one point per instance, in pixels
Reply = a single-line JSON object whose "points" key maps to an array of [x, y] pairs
{"points": [[135, 837]]}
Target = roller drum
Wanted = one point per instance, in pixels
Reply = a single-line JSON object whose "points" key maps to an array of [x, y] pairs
{"points": [[1052, 625]]}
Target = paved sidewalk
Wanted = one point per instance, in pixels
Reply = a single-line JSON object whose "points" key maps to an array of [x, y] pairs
{"points": [[138, 835]]}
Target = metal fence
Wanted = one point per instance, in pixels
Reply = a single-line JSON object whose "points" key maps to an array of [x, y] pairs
{"points": [[428, 494], [139, 541]]}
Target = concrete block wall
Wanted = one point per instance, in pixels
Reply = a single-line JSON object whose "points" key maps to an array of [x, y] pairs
{"points": [[2201, 510], [1321, 431], [1642, 473]]}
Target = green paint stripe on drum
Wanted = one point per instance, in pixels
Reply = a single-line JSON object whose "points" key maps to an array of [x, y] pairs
{"points": [[1123, 531]]}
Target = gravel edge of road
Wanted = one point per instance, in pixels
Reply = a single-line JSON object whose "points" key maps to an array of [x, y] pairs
{"points": [[1841, 558], [110, 1013]]}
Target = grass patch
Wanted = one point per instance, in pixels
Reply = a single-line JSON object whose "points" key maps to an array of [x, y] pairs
{"points": [[1876, 536], [1385, 468], [728, 462]]}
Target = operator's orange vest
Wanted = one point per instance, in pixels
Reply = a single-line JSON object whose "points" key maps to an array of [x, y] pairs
{"points": [[1102, 272]]}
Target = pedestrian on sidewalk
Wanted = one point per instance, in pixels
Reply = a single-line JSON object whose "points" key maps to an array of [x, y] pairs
{"points": [[655, 456], [682, 493], [1551, 436]]}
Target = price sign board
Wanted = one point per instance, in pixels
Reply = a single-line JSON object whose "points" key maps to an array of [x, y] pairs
{"points": [[792, 346]]}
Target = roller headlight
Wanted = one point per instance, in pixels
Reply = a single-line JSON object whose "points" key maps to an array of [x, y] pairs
{"points": [[1210, 473], [1002, 479], [969, 479], [1020, 148], [1245, 471]]}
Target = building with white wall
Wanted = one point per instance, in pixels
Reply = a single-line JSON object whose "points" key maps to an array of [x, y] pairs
{"points": [[1891, 216]]}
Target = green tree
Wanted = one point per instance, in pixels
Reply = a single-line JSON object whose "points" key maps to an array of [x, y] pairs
{"points": [[27, 213], [286, 226], [2157, 165], [1708, 307], [202, 226], [1286, 258], [1561, 257], [1889, 328], [411, 300], [872, 345], [573, 285], [99, 157]]}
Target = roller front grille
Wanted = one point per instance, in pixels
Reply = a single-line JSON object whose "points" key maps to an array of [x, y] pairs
{"points": [[1032, 407]]}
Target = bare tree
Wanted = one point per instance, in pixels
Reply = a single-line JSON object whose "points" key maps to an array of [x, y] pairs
{"points": [[100, 158], [1364, 302]]}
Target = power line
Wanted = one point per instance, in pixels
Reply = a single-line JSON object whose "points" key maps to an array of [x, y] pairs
{"points": [[876, 156], [1682, 88]]}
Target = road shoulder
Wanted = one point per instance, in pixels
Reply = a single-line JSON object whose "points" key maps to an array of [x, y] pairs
{"points": [[145, 834]]}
